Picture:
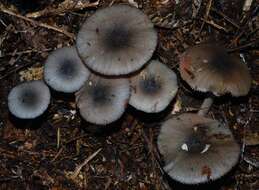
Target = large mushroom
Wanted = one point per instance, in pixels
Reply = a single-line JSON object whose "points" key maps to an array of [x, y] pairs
{"points": [[29, 99], [209, 68], [197, 149], [64, 70], [103, 100], [116, 40], [153, 88]]}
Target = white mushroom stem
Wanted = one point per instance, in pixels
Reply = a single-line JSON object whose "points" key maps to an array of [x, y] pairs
{"points": [[205, 106]]}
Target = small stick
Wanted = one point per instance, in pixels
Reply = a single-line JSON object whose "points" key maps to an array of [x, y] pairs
{"points": [[205, 106], [79, 167], [6, 11]]}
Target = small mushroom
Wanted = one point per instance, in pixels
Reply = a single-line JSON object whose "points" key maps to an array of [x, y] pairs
{"points": [[209, 68], [116, 40], [103, 100], [64, 70], [153, 88], [197, 149], [29, 100]]}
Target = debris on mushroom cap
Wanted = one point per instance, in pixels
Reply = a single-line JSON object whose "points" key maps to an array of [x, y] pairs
{"points": [[64, 70], [116, 40], [102, 100], [153, 88], [207, 67], [197, 149], [29, 100]]}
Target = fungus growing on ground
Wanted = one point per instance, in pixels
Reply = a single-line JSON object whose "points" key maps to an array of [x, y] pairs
{"points": [[29, 100], [116, 40], [209, 68], [64, 70], [197, 149], [101, 100], [153, 88]]}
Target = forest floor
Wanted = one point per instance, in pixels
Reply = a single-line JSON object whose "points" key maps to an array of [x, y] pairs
{"points": [[123, 155]]}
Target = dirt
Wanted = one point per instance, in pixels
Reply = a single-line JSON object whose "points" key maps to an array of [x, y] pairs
{"points": [[126, 153]]}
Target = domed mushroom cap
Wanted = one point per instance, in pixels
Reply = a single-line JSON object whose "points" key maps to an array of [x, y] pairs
{"points": [[101, 100], [116, 40], [64, 70], [208, 67], [153, 88], [197, 149], [29, 100]]}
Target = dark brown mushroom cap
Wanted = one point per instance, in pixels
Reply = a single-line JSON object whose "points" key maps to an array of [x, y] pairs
{"points": [[116, 40], [64, 70], [153, 88], [207, 67], [197, 149], [101, 100], [29, 99]]}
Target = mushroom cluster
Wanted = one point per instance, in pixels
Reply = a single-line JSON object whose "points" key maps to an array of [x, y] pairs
{"points": [[111, 66], [195, 148]]}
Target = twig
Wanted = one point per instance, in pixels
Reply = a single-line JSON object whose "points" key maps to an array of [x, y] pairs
{"points": [[206, 15], [64, 7], [26, 52], [79, 167], [6, 11], [212, 23]]}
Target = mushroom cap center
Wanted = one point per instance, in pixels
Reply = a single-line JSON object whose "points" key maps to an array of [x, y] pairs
{"points": [[67, 69], [29, 98], [197, 141], [117, 38], [100, 94], [150, 85]]}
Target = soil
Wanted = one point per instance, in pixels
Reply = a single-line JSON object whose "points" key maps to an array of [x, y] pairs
{"points": [[122, 155]]}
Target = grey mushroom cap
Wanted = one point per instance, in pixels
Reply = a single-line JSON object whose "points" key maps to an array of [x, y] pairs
{"points": [[29, 100], [116, 40], [101, 100], [207, 67], [197, 149], [153, 88], [64, 70]]}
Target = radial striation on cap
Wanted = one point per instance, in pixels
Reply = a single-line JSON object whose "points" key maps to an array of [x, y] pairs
{"points": [[197, 149], [116, 40], [153, 88], [207, 67], [64, 70], [102, 101], [29, 100]]}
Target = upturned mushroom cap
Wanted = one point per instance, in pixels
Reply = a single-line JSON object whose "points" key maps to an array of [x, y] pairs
{"points": [[29, 100], [197, 149], [64, 70], [153, 88], [102, 101], [207, 67], [116, 40]]}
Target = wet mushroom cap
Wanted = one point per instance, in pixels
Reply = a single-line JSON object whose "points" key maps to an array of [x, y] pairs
{"points": [[64, 70], [153, 88], [116, 40], [101, 100], [207, 67], [197, 149], [29, 100]]}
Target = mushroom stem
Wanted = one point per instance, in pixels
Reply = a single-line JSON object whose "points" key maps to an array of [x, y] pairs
{"points": [[205, 106]]}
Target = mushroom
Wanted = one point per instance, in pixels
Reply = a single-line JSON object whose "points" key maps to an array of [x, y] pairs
{"points": [[197, 149], [29, 100], [209, 68], [64, 70], [116, 40], [103, 100], [153, 88]]}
